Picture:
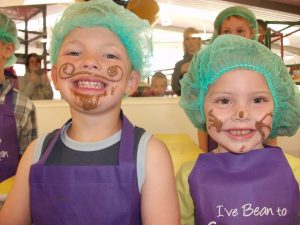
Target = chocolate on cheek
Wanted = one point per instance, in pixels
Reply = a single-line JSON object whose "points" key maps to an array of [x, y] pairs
{"points": [[214, 121], [259, 125], [112, 72]]}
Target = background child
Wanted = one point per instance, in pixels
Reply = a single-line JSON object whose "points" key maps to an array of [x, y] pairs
{"points": [[17, 113], [158, 86], [241, 93], [99, 168], [35, 83], [191, 45], [262, 30], [237, 20]]}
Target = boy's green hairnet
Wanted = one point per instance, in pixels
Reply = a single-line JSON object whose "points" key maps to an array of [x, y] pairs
{"points": [[231, 52], [8, 34], [241, 11], [134, 33]]}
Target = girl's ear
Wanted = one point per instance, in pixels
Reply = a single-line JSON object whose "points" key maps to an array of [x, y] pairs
{"points": [[54, 76], [133, 82]]}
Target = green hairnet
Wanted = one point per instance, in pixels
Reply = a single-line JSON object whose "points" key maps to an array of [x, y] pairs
{"points": [[134, 33], [8, 34], [230, 52], [235, 11]]}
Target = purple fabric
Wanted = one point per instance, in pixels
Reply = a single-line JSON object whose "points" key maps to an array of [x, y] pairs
{"points": [[256, 188], [9, 147], [87, 195], [211, 144]]}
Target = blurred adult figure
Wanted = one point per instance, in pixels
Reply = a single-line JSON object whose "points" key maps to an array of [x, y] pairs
{"points": [[35, 83], [262, 30], [191, 44]]}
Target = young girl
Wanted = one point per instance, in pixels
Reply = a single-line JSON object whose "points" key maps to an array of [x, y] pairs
{"points": [[241, 93], [99, 168], [236, 20]]}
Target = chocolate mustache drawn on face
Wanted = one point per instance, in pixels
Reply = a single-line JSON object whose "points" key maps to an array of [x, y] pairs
{"points": [[214, 121], [67, 70], [259, 125], [90, 102]]}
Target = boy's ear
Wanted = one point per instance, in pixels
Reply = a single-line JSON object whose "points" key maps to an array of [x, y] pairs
{"points": [[133, 82], [9, 50], [54, 75]]}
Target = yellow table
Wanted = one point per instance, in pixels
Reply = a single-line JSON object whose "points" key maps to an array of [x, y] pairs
{"points": [[5, 187], [182, 148]]}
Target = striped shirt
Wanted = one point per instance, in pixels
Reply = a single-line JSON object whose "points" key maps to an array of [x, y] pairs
{"points": [[25, 115]]}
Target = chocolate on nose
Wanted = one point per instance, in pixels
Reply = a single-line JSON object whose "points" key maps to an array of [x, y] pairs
{"points": [[241, 114]]}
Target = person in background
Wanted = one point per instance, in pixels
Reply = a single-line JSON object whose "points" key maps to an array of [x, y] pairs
{"points": [[262, 29], [191, 44], [243, 95], [12, 75], [35, 83], [158, 85], [17, 112], [237, 20], [99, 168]]}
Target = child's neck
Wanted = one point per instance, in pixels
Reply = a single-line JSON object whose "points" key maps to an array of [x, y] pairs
{"points": [[92, 129]]}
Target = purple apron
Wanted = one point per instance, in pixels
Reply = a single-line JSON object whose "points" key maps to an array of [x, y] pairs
{"points": [[9, 146], [87, 195], [211, 144], [256, 188]]}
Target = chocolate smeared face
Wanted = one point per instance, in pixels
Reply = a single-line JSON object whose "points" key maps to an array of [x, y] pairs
{"points": [[238, 109], [260, 125], [213, 121], [91, 80], [92, 69]]}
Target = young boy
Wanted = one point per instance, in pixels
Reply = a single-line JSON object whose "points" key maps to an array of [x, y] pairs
{"points": [[241, 94], [158, 86], [17, 113], [99, 168]]}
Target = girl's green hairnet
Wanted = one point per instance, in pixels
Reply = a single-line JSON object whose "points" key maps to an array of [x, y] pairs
{"points": [[231, 52], [8, 34], [134, 33], [241, 11]]}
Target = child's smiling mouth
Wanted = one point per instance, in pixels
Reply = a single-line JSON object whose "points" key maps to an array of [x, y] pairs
{"points": [[87, 84], [240, 134]]}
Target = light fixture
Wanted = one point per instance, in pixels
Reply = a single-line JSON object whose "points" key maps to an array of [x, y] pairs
{"points": [[286, 41], [40, 2]]}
